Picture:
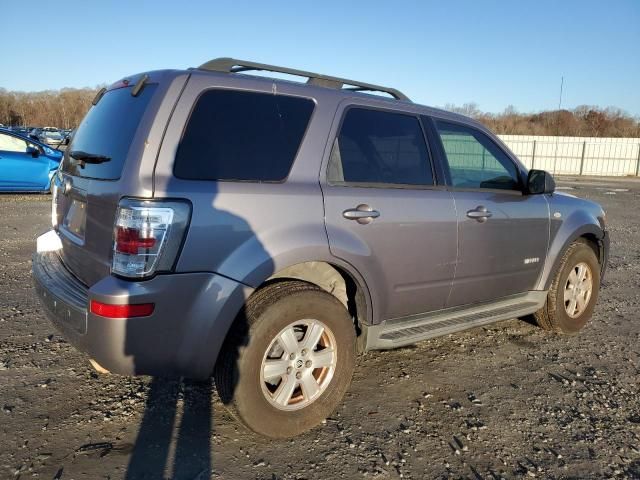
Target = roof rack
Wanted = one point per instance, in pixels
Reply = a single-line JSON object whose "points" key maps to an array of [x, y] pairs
{"points": [[233, 65]]}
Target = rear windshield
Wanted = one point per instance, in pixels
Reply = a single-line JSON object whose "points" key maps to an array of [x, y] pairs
{"points": [[242, 136], [107, 130]]}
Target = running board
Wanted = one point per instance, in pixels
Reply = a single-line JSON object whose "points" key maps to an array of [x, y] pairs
{"points": [[407, 330]]}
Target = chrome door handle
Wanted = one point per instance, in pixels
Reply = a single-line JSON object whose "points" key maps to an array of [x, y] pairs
{"points": [[480, 213], [362, 214]]}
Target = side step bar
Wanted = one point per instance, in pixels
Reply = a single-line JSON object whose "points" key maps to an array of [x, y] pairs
{"points": [[407, 330]]}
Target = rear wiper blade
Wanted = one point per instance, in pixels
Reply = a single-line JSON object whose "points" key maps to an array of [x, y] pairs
{"points": [[85, 157]]}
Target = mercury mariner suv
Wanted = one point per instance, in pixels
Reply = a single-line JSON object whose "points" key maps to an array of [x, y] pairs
{"points": [[214, 222]]}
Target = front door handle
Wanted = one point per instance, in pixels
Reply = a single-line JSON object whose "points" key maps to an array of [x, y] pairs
{"points": [[362, 214], [480, 213]]}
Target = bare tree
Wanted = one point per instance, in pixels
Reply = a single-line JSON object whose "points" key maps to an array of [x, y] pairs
{"points": [[585, 120], [59, 108]]}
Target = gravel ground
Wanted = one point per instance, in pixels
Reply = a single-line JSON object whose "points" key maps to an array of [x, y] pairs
{"points": [[504, 401]]}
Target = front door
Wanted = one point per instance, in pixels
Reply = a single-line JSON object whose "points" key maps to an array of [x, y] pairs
{"points": [[386, 216], [502, 232], [19, 169]]}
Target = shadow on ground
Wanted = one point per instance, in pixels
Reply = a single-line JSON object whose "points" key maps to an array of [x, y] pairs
{"points": [[169, 403]]}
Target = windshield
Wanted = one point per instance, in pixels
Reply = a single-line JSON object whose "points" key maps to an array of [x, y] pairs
{"points": [[107, 130], [54, 135]]}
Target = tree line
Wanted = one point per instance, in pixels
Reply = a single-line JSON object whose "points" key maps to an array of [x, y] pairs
{"points": [[582, 121], [51, 108], [65, 109]]}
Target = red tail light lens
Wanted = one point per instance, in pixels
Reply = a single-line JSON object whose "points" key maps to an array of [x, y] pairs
{"points": [[128, 240], [121, 311]]}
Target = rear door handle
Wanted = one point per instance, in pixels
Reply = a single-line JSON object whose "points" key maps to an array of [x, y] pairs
{"points": [[480, 213], [362, 214]]}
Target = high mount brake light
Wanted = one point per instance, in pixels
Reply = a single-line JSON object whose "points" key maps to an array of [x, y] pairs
{"points": [[147, 236]]}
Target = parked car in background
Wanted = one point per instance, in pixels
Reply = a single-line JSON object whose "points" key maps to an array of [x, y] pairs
{"points": [[34, 133], [67, 136], [47, 135], [20, 131], [51, 137], [26, 165]]}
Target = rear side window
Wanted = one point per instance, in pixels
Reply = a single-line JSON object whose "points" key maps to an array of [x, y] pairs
{"points": [[242, 136], [107, 130], [376, 147]]}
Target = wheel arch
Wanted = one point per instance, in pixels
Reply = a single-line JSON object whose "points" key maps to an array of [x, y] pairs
{"points": [[340, 280], [590, 232], [335, 277]]}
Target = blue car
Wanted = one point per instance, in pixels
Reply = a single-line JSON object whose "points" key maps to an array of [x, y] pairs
{"points": [[26, 165]]}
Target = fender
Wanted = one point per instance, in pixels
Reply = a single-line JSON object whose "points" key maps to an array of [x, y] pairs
{"points": [[262, 255], [562, 234]]}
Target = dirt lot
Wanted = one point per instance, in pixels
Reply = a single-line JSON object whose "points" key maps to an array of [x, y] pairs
{"points": [[505, 401]]}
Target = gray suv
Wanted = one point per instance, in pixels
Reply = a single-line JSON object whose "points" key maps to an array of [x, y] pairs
{"points": [[211, 222]]}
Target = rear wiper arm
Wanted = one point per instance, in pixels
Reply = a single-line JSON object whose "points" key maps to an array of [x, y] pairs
{"points": [[85, 157]]}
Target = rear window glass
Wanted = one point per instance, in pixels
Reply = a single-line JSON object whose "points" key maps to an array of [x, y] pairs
{"points": [[378, 147], [243, 136], [108, 130]]}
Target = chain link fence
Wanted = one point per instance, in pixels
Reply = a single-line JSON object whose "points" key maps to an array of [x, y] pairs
{"points": [[577, 155]]}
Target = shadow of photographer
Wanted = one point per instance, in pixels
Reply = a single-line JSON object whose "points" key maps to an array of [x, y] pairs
{"points": [[172, 402]]}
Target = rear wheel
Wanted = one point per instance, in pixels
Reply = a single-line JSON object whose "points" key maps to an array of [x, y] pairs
{"points": [[574, 291], [289, 359]]}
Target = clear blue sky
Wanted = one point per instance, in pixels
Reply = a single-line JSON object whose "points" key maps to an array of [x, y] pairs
{"points": [[494, 53]]}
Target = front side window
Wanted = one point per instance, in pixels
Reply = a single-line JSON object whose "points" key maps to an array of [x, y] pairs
{"points": [[9, 143], [474, 160], [377, 147], [242, 136]]}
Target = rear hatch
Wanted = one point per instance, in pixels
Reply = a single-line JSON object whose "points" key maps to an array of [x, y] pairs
{"points": [[105, 162]]}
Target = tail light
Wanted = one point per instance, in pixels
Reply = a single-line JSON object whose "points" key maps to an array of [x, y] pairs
{"points": [[147, 236]]}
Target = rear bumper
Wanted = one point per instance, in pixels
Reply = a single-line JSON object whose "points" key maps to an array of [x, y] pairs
{"points": [[182, 337]]}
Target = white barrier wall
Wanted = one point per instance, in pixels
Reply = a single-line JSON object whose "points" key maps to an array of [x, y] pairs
{"points": [[577, 155]]}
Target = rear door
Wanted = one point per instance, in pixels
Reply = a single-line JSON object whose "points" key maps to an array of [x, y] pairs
{"points": [[385, 213], [502, 233]]}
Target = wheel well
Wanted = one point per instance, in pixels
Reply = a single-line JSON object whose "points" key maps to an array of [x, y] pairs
{"points": [[334, 280], [594, 243]]}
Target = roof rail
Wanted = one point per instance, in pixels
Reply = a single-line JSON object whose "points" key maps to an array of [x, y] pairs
{"points": [[233, 65]]}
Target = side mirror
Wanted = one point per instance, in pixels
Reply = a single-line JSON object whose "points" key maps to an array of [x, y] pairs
{"points": [[540, 181], [34, 151]]}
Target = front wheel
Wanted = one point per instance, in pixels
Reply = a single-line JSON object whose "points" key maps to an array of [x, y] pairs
{"points": [[288, 361], [574, 291]]}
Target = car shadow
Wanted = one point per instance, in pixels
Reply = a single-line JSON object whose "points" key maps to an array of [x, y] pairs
{"points": [[174, 438], [166, 399]]}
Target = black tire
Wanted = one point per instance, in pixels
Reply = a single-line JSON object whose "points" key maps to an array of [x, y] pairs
{"points": [[553, 315], [268, 311]]}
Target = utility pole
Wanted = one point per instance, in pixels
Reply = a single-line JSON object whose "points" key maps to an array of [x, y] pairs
{"points": [[555, 161]]}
